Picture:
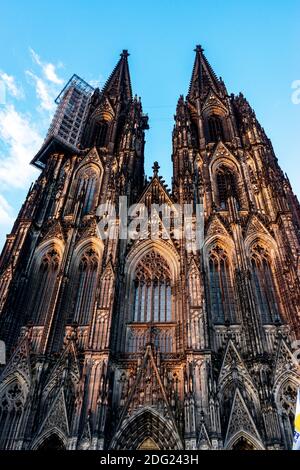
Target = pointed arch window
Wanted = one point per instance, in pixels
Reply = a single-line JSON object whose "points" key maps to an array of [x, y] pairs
{"points": [[85, 188], [42, 286], [86, 286], [216, 130], [101, 131], [264, 285], [220, 287], [195, 134], [287, 397], [121, 131], [87, 184], [152, 290], [226, 186], [12, 402]]}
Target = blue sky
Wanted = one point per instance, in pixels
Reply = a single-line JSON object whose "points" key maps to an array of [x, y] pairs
{"points": [[253, 45]]}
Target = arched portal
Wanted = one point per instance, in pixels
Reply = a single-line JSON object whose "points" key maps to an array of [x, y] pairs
{"points": [[243, 444], [52, 442], [146, 428], [244, 441]]}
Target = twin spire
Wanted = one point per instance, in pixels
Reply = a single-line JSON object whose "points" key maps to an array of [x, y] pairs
{"points": [[203, 78]]}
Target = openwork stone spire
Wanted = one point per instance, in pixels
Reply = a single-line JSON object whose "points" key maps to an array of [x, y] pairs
{"points": [[179, 337]]}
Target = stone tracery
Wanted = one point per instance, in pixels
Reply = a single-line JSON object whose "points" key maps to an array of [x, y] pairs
{"points": [[159, 343]]}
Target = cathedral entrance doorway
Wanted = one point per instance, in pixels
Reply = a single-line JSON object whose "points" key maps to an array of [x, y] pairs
{"points": [[243, 444], [52, 442], [147, 429]]}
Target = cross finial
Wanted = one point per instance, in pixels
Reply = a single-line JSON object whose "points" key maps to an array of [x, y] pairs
{"points": [[125, 53], [199, 49], [155, 168]]}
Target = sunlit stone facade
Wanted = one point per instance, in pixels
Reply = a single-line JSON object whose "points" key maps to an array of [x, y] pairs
{"points": [[126, 344]]}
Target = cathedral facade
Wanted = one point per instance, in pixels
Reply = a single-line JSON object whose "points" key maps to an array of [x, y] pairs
{"points": [[149, 343]]}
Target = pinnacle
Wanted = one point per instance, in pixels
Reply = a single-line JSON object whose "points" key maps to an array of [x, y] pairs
{"points": [[199, 48], [119, 77], [203, 76], [155, 168], [125, 53]]}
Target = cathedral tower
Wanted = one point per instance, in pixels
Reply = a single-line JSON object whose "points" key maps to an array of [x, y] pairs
{"points": [[151, 342]]}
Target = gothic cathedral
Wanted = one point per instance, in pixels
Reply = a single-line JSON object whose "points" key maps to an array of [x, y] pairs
{"points": [[117, 343]]}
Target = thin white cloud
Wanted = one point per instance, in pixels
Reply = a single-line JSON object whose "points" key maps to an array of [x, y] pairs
{"points": [[46, 81], [97, 82], [22, 135], [20, 141], [44, 93], [11, 86], [35, 56], [50, 73], [6, 213], [48, 69]]}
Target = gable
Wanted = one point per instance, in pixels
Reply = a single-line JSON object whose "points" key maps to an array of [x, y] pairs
{"points": [[254, 227], [213, 104], [240, 419], [216, 227], [148, 384]]}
